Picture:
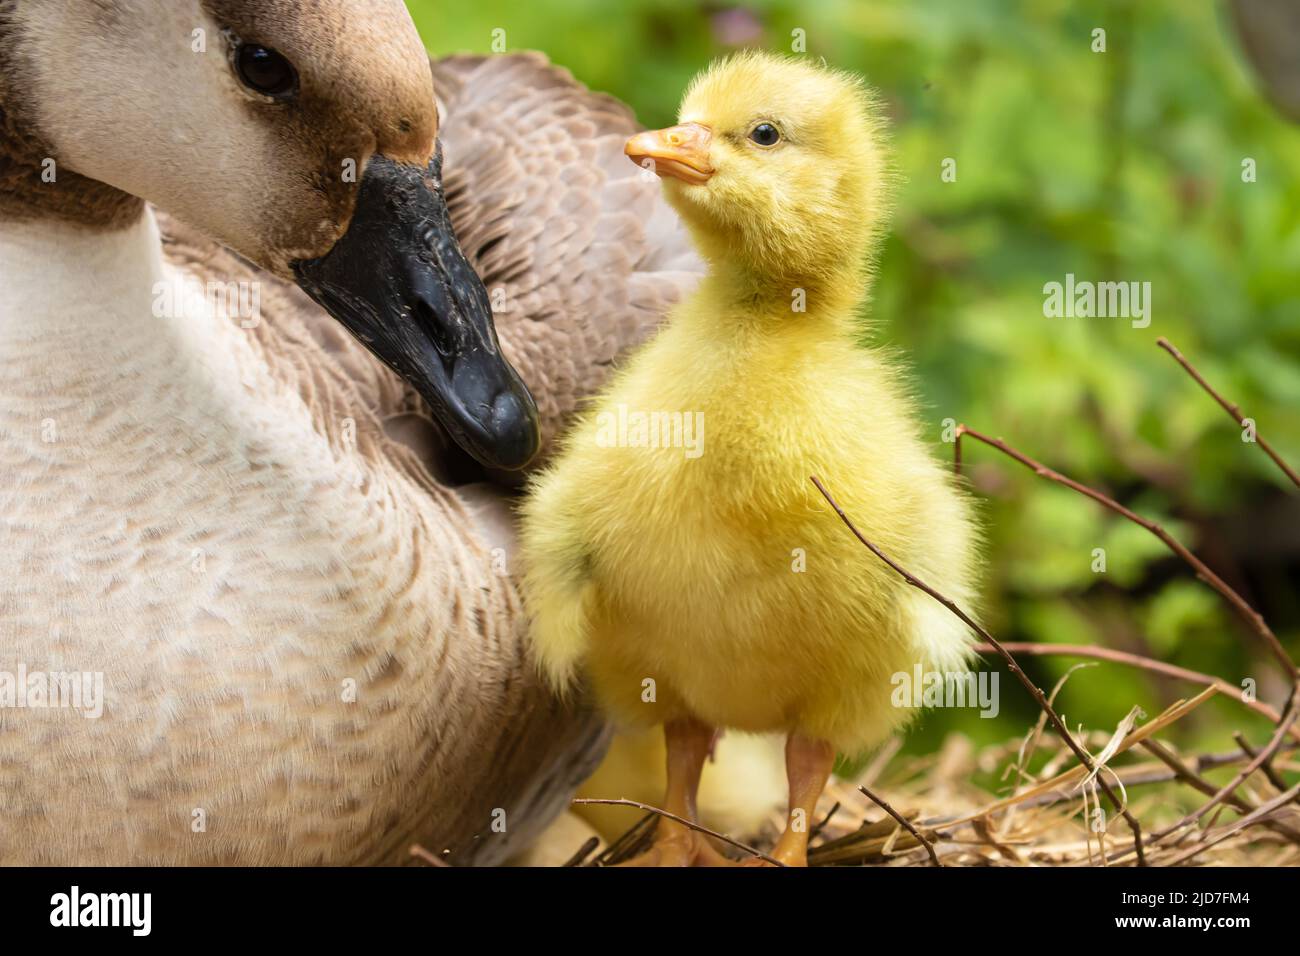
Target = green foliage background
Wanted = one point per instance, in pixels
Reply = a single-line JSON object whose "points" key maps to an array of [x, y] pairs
{"points": [[1122, 165]]}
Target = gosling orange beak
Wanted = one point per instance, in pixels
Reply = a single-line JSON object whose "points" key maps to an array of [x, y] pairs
{"points": [[681, 152]]}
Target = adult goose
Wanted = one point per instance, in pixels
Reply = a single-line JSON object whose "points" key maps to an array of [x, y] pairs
{"points": [[285, 565]]}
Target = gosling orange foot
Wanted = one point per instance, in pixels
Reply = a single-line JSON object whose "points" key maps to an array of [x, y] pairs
{"points": [[792, 858], [677, 845], [808, 764], [689, 743]]}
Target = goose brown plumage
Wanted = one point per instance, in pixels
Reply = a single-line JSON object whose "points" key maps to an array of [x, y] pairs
{"points": [[297, 588]]}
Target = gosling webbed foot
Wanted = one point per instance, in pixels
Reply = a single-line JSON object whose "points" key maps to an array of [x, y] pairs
{"points": [[677, 845]]}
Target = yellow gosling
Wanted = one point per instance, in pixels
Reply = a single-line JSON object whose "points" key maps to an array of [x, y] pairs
{"points": [[699, 580]]}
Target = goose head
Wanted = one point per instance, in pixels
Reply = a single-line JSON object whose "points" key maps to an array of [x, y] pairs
{"points": [[305, 138]]}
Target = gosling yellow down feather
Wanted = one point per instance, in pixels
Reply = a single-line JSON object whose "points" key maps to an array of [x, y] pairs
{"points": [[677, 557]]}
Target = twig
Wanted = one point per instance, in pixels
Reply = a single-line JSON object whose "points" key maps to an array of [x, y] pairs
{"points": [[1266, 766], [984, 832], [1147, 777], [1020, 675], [1288, 718], [628, 842], [686, 823], [1264, 756], [1248, 820], [1145, 663], [1030, 744], [1204, 786], [1248, 613], [816, 830], [421, 853], [584, 851], [902, 821], [1275, 742], [867, 840], [1078, 775], [1131, 777], [1230, 408]]}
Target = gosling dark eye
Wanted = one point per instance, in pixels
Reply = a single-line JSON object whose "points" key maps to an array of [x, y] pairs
{"points": [[765, 134], [262, 69]]}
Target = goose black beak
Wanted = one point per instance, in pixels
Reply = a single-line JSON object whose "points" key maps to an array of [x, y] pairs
{"points": [[399, 282]]}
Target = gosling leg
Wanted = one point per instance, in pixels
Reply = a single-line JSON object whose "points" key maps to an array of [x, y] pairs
{"points": [[689, 743], [808, 763]]}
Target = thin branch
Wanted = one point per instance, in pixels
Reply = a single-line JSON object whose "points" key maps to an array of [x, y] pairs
{"points": [[867, 840], [1146, 664], [816, 830], [686, 823], [1248, 613], [1267, 766], [623, 847], [1197, 782], [1020, 675], [1264, 756], [902, 821], [1139, 778], [1230, 408], [1026, 751], [584, 851], [1248, 820], [1288, 718], [1275, 742]]}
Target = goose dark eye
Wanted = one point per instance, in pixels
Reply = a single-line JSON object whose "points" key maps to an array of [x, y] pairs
{"points": [[266, 71], [765, 134]]}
